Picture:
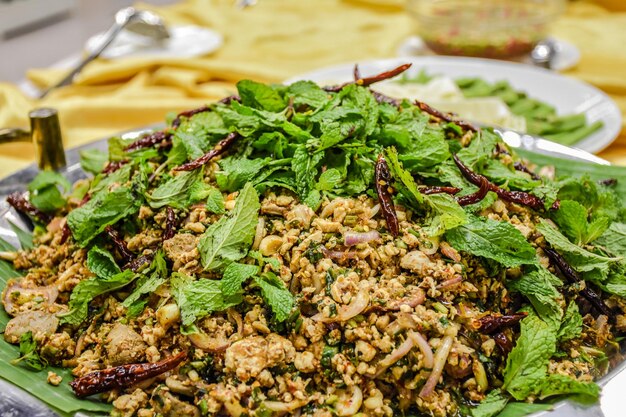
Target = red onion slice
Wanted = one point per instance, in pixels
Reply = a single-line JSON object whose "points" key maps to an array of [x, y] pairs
{"points": [[356, 307], [395, 355], [439, 362], [354, 238], [337, 254], [450, 282], [423, 345]]}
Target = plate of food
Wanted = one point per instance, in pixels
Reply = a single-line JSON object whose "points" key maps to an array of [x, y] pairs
{"points": [[521, 97], [294, 250]]}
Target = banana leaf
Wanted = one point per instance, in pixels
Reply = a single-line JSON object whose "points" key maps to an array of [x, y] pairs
{"points": [[61, 398]]}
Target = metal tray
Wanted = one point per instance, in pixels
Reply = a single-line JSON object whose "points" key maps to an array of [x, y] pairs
{"points": [[15, 402]]}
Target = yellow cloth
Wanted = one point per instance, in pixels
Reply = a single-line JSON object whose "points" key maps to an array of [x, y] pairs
{"points": [[269, 42]]}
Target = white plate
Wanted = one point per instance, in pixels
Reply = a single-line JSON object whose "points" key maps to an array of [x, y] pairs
{"points": [[184, 42], [566, 94]]}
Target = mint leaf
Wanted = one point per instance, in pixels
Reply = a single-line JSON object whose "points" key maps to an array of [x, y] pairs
{"points": [[89, 289], [104, 209], [527, 364], [260, 96], [493, 403], [572, 324], [146, 284], [501, 174], [556, 384], [44, 190], [229, 239], [262, 260], [444, 213], [479, 150], [102, 183], [235, 275], [234, 172], [491, 239], [304, 165], [515, 409], [539, 287], [404, 180], [93, 160], [579, 258], [101, 263], [215, 202], [572, 220], [28, 353], [177, 191], [307, 93], [613, 239], [198, 298], [276, 295], [329, 179]]}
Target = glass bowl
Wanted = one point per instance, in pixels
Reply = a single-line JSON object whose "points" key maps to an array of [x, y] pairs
{"points": [[483, 28]]}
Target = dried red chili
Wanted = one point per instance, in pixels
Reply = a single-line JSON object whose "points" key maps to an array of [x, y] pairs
{"points": [[161, 138], [137, 263], [371, 80], [572, 276], [21, 204], [221, 146], [477, 196], [428, 190], [230, 99], [65, 233], [495, 323], [119, 244], [123, 376], [113, 166], [356, 73], [445, 117], [382, 98], [519, 197], [170, 224], [609, 182], [383, 180], [383, 75], [188, 113], [523, 168], [503, 342]]}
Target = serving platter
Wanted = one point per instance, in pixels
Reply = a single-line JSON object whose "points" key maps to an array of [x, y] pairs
{"points": [[18, 401], [566, 94]]}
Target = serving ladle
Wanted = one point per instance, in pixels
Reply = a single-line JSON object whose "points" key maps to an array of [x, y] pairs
{"points": [[142, 22]]}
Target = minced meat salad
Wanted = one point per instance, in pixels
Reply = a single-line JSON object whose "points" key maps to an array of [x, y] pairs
{"points": [[308, 251]]}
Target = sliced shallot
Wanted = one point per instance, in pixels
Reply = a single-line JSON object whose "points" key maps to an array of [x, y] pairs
{"points": [[354, 238], [356, 307], [439, 362], [395, 355], [423, 345]]}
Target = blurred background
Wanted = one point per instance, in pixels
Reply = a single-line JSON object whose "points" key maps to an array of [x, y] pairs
{"points": [[38, 33], [567, 84]]}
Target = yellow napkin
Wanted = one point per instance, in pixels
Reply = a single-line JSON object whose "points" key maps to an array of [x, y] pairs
{"points": [[269, 42]]}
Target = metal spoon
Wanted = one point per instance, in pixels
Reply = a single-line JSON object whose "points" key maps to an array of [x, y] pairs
{"points": [[139, 21], [543, 53]]}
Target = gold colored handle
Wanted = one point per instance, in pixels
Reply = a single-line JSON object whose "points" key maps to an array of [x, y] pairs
{"points": [[46, 135], [10, 135]]}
